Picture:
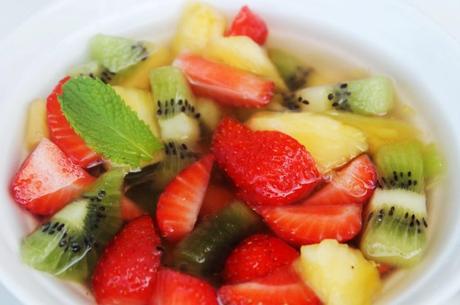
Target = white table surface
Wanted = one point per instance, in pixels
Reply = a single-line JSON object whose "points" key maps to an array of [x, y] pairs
{"points": [[446, 13]]}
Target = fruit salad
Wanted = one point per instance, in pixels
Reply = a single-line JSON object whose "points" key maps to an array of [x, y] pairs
{"points": [[217, 169]]}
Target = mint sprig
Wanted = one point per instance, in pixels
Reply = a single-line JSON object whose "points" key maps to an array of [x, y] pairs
{"points": [[106, 123]]}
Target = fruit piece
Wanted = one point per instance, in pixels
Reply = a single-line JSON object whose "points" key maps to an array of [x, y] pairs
{"points": [[280, 287], [216, 198], [175, 288], [225, 84], [247, 23], [242, 53], [63, 135], [69, 243], [400, 165], [434, 163], [130, 210], [330, 142], [309, 224], [180, 203], [312, 99], [210, 112], [199, 24], [137, 76], [36, 127], [257, 256], [117, 53], [384, 269], [204, 250], [291, 69], [125, 274], [259, 170], [94, 70], [48, 180], [396, 229], [355, 183], [338, 274], [378, 131]]}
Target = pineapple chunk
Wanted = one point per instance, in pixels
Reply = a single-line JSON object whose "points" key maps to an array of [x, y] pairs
{"points": [[243, 53], [338, 274], [36, 126], [181, 128], [210, 111], [330, 142], [200, 23], [378, 131], [138, 75]]}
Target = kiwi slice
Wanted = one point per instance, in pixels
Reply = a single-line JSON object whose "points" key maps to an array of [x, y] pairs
{"points": [[400, 165], [94, 70], [396, 228], [434, 163], [291, 69], [313, 99], [204, 251], [68, 245]]}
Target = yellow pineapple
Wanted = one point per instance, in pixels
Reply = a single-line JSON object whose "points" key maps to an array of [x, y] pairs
{"points": [[243, 53], [339, 274], [210, 112], [199, 24], [330, 142], [36, 125]]}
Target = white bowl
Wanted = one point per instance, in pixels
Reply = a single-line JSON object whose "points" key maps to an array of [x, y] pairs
{"points": [[386, 37]]}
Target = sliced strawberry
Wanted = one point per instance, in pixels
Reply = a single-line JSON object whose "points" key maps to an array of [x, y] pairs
{"points": [[175, 288], [355, 183], [130, 210], [180, 203], [384, 269], [281, 287], [257, 256], [267, 167], [246, 23], [126, 271], [225, 84], [62, 133], [48, 180], [309, 224], [216, 198]]}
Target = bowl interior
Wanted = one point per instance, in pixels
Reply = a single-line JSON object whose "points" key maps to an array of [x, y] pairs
{"points": [[46, 46]]}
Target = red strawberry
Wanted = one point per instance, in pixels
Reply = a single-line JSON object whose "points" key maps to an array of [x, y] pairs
{"points": [[175, 288], [130, 210], [48, 180], [216, 198], [309, 224], [180, 203], [355, 183], [246, 23], [126, 271], [281, 287], [62, 133], [268, 167], [256, 257], [225, 84]]}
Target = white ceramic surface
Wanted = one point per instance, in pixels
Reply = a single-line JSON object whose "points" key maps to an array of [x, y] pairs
{"points": [[387, 37]]}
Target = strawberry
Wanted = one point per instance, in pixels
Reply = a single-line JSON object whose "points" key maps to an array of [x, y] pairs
{"points": [[216, 198], [267, 167], [257, 256], [246, 23], [309, 224], [355, 183], [225, 84], [126, 270], [48, 180], [62, 134], [175, 288], [180, 203], [280, 287], [130, 210]]}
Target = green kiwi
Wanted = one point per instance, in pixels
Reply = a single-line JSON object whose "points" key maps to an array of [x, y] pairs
{"points": [[68, 245], [291, 69], [434, 163], [400, 165], [396, 229], [93, 70]]}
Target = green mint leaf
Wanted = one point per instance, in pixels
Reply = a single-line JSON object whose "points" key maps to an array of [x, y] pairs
{"points": [[106, 123]]}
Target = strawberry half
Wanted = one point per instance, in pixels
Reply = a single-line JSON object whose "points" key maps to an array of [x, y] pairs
{"points": [[355, 183], [281, 287], [126, 271], [267, 167], [257, 256], [48, 180], [310, 224], [180, 203], [225, 84], [175, 288], [246, 23], [62, 134]]}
